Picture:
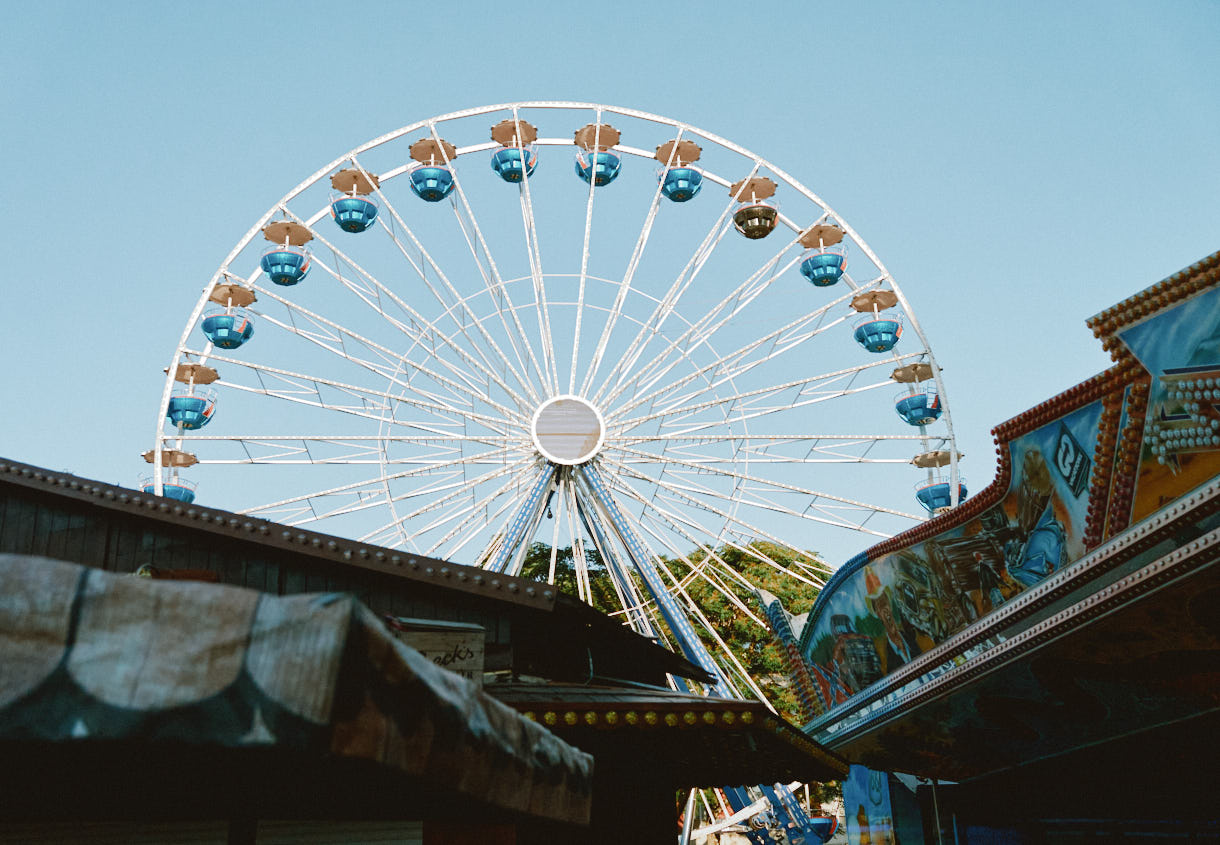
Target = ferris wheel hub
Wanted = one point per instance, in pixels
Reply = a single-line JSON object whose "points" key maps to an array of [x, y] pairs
{"points": [[568, 430]]}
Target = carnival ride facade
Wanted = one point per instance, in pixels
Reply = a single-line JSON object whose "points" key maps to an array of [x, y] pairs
{"points": [[666, 385]]}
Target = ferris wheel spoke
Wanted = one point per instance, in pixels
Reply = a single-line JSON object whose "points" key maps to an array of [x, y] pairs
{"points": [[726, 367], [843, 450], [582, 521], [774, 484], [695, 498], [701, 330], [495, 286], [454, 299], [807, 390], [473, 526], [613, 383], [584, 253], [676, 520], [689, 608], [554, 556], [642, 562], [299, 385], [633, 264], [774, 344], [580, 562], [641, 612], [734, 358], [650, 618], [490, 274], [383, 292], [533, 248], [452, 505], [357, 488], [336, 338], [692, 494], [349, 504], [426, 339], [506, 551], [668, 303], [524, 524], [459, 312], [728, 659], [339, 449], [459, 494], [699, 569], [757, 444]]}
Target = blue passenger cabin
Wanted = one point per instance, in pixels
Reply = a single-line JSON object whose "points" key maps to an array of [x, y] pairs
{"points": [[286, 265], [191, 407], [938, 494], [512, 164], [431, 182], [920, 408], [353, 213], [680, 184], [878, 334], [172, 488], [602, 167], [227, 329], [824, 267]]}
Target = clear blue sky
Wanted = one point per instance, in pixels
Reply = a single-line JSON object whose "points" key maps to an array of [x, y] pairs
{"points": [[1017, 166]]}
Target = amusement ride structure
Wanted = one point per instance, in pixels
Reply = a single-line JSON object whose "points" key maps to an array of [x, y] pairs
{"points": [[429, 345]]}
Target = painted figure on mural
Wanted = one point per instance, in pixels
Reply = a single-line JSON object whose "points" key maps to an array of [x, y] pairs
{"points": [[990, 581], [854, 659], [918, 592], [899, 646], [1041, 553]]}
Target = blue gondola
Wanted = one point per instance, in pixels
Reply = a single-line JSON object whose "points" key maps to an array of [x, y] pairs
{"points": [[878, 334], [191, 407], [680, 184], [920, 408], [286, 265], [353, 213], [171, 488], [938, 494], [824, 267], [227, 329], [506, 161], [431, 182], [602, 167]]}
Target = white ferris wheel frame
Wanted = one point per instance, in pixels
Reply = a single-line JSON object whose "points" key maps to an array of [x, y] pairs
{"points": [[510, 451]]}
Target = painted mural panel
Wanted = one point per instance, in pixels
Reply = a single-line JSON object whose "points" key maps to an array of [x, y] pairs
{"points": [[1181, 449], [892, 609]]}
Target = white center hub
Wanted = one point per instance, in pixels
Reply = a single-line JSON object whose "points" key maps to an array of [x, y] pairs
{"points": [[568, 430]]}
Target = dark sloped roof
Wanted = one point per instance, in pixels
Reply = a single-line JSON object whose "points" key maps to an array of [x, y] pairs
{"points": [[91, 657], [717, 741]]}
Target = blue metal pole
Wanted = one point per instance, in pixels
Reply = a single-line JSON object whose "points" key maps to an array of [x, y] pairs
{"points": [[524, 517]]}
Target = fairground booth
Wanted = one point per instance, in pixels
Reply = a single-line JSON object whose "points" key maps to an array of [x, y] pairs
{"points": [[177, 673], [1039, 664]]}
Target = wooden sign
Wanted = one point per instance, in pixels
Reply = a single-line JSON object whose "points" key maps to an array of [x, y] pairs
{"points": [[456, 646]]}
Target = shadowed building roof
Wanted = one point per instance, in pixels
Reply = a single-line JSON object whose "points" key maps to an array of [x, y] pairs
{"points": [[224, 679]]}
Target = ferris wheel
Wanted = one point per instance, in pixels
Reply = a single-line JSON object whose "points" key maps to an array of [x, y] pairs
{"points": [[587, 326]]}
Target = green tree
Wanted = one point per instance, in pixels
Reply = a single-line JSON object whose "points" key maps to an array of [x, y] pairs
{"points": [[537, 566], [752, 644]]}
